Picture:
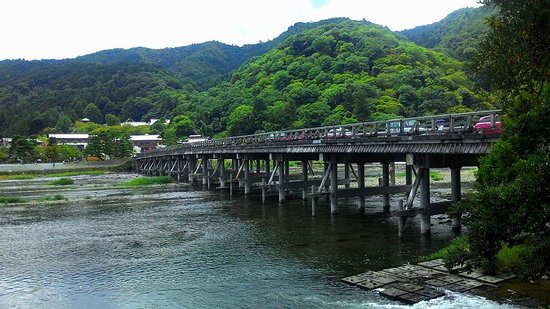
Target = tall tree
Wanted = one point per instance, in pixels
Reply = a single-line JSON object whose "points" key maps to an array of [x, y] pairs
{"points": [[513, 200], [64, 124], [112, 120], [93, 113]]}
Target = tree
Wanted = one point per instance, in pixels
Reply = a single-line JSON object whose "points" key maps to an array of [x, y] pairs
{"points": [[22, 148], [183, 126], [64, 124], [93, 113], [108, 143], [122, 147], [513, 183], [242, 120], [112, 120]]}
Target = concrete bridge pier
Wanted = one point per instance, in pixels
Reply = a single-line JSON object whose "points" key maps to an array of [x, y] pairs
{"points": [[246, 163], [191, 168], [425, 218], [221, 167], [346, 174], [267, 169], [304, 179], [281, 171], [361, 186], [204, 165], [333, 187], [456, 196], [385, 184]]}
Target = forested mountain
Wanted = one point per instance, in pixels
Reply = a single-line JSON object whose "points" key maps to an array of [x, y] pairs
{"points": [[341, 71], [314, 73], [137, 83], [457, 34]]}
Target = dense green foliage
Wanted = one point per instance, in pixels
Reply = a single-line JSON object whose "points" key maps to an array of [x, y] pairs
{"points": [[513, 200], [325, 72], [458, 34], [104, 143], [137, 83], [341, 71]]}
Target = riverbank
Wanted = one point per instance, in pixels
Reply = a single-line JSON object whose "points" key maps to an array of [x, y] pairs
{"points": [[44, 168]]}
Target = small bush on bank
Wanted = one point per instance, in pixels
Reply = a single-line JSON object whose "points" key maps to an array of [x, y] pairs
{"points": [[10, 199], [146, 181], [61, 182], [57, 197]]}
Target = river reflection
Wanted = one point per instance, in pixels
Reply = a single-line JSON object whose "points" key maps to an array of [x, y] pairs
{"points": [[201, 249]]}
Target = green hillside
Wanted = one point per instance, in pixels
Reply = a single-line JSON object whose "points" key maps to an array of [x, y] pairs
{"points": [[137, 83], [325, 72], [457, 34], [341, 71]]}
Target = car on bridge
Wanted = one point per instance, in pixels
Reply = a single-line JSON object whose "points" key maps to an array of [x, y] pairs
{"points": [[338, 133], [485, 125], [410, 126]]}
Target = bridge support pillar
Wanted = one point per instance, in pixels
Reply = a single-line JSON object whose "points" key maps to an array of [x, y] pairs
{"points": [[456, 196], [178, 169], [385, 184], [334, 188], [192, 165], [361, 186], [326, 167], [408, 174], [304, 178], [267, 171], [204, 163], [425, 219], [346, 174], [281, 167], [221, 163], [246, 164]]}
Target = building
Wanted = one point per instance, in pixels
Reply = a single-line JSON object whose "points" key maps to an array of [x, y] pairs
{"points": [[78, 140], [5, 142], [130, 122], [141, 142], [146, 142]]}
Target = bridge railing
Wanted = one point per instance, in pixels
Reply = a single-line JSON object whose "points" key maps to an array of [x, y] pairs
{"points": [[481, 121]]}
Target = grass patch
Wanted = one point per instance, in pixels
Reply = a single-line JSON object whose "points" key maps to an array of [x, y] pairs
{"points": [[37, 174], [10, 200], [61, 182], [436, 176], [57, 197], [17, 177], [459, 243], [78, 173], [511, 259], [146, 181]]}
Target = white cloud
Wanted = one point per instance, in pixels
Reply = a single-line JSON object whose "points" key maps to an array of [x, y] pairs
{"points": [[35, 29]]}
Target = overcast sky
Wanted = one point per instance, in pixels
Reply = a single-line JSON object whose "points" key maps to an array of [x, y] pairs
{"points": [[56, 29]]}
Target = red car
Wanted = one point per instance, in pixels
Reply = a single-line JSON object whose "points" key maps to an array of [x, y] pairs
{"points": [[484, 125]]}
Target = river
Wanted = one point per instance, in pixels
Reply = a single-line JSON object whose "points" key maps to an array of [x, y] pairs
{"points": [[173, 246]]}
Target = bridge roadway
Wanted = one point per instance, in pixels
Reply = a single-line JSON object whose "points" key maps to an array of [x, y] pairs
{"points": [[261, 161]]}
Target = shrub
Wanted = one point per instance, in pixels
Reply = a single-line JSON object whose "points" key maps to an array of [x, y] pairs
{"points": [[10, 199], [61, 182]]}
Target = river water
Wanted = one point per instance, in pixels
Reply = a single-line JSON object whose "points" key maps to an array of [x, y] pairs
{"points": [[176, 247]]}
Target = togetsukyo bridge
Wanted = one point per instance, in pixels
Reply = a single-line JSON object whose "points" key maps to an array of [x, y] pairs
{"points": [[261, 161]]}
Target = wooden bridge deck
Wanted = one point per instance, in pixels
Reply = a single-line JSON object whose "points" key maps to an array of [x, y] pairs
{"points": [[449, 141]]}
